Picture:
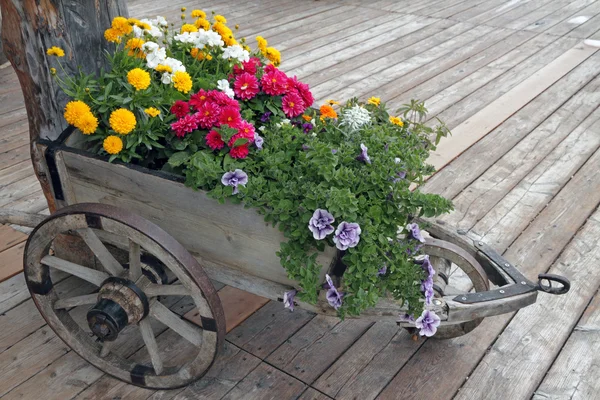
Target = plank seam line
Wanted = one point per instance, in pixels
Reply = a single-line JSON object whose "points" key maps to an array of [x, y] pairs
{"points": [[517, 30], [551, 264]]}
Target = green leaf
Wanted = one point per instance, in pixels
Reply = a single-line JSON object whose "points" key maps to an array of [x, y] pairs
{"points": [[179, 158]]}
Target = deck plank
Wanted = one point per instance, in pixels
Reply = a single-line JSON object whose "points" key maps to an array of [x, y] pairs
{"points": [[266, 382]]}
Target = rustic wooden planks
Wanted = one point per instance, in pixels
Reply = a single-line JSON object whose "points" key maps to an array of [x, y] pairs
{"points": [[263, 382]]}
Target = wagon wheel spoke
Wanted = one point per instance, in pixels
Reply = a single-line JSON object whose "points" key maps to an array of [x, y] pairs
{"points": [[151, 345], [135, 267], [106, 348], [186, 330], [87, 274], [107, 260], [76, 301], [154, 290]]}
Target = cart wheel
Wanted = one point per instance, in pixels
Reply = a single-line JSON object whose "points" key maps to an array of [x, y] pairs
{"points": [[457, 272], [129, 298]]}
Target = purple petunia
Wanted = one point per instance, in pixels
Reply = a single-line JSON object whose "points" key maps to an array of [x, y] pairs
{"points": [[305, 147], [427, 323], [333, 151], [320, 224], [363, 156], [399, 176], [427, 284], [258, 141], [235, 178], [265, 117], [382, 271], [307, 127], [347, 235], [334, 298], [406, 318], [415, 232], [288, 299]]}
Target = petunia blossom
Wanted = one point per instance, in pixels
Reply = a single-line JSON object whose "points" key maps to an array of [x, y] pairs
{"points": [[427, 323], [334, 298], [347, 235], [363, 156], [320, 224], [406, 318], [258, 141], [288, 299], [234, 178], [382, 271], [415, 232]]}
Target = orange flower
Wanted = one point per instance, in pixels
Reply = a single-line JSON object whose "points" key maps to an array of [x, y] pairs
{"points": [[307, 118], [327, 112]]}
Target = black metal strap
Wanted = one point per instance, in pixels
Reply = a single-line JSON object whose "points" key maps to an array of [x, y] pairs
{"points": [[49, 155]]}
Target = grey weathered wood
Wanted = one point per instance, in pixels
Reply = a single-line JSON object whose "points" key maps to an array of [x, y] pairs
{"points": [[153, 290], [20, 218], [173, 321], [151, 346], [108, 261], [76, 301], [266, 382], [135, 268], [91, 275]]}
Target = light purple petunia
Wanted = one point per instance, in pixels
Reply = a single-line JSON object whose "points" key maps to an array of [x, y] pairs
{"points": [[333, 151], [363, 156], [427, 284], [399, 176], [427, 323], [347, 235], [382, 271], [320, 224], [258, 141], [334, 298], [415, 232], [425, 263], [288, 299], [235, 178], [406, 318]]}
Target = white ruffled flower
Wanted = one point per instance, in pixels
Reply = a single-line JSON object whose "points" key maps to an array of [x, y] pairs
{"points": [[262, 128], [209, 38], [236, 52], [186, 37], [223, 86], [355, 118], [175, 65], [160, 21], [153, 31]]}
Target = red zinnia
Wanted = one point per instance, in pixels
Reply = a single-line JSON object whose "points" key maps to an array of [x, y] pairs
{"points": [[246, 86], [208, 115], [230, 116], [239, 151], [292, 104], [185, 125], [214, 140], [180, 108], [274, 83]]}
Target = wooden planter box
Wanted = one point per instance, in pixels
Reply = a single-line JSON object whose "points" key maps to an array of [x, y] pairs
{"points": [[233, 244]]}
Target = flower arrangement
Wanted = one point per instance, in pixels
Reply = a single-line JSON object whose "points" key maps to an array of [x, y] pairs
{"points": [[200, 103]]}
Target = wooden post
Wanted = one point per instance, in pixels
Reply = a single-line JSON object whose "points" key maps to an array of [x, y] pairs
{"points": [[29, 27], [3, 58]]}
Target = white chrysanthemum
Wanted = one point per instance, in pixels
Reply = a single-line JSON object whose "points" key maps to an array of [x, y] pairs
{"points": [[154, 31], [154, 54], [186, 37], [223, 86], [175, 65], [209, 38], [236, 52], [355, 118], [159, 21]]}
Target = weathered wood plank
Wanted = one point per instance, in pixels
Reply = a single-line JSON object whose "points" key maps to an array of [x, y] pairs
{"points": [[312, 394], [12, 261], [268, 328], [266, 382], [574, 374], [10, 237], [564, 14]]}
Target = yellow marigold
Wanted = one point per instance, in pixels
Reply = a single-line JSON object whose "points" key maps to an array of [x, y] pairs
{"points": [[182, 81], [112, 35], [143, 25], [87, 123], [198, 14], [262, 44], [122, 26], [332, 102], [327, 112], [163, 68], [113, 144], [202, 23], [188, 28], [133, 21], [138, 78], [230, 40], [273, 55], [247, 48], [200, 55], [374, 100], [74, 110], [220, 18], [135, 47], [151, 111], [122, 121], [55, 51], [396, 121], [224, 31]]}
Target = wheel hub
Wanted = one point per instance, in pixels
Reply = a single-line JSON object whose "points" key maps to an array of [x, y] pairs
{"points": [[120, 303]]}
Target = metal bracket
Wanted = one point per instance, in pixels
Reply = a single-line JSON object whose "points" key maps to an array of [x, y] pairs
{"points": [[51, 148]]}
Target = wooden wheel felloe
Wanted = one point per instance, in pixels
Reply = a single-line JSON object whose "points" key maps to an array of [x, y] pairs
{"points": [[130, 306]]}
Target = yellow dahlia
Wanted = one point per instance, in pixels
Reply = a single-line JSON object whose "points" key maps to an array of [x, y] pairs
{"points": [[198, 14], [374, 100], [87, 123], [163, 68], [55, 51], [151, 111], [396, 121], [273, 55], [188, 28], [135, 47], [202, 23], [74, 110], [113, 144], [182, 81], [122, 121], [138, 78], [112, 35], [262, 44], [121, 26]]}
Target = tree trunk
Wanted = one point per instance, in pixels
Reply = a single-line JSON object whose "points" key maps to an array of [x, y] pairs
{"points": [[3, 58], [29, 27]]}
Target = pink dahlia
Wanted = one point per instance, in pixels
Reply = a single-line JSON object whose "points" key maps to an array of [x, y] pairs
{"points": [[180, 108], [246, 86], [247, 66], [185, 125], [208, 115], [245, 131], [303, 90], [198, 99], [274, 83], [223, 100], [230, 116], [292, 104], [214, 140], [239, 151]]}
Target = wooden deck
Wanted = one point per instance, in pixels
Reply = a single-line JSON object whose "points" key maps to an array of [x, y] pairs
{"points": [[520, 92]]}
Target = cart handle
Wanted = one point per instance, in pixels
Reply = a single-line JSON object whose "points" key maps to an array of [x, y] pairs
{"points": [[31, 220]]}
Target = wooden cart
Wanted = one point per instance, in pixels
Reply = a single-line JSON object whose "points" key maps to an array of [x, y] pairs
{"points": [[152, 239]]}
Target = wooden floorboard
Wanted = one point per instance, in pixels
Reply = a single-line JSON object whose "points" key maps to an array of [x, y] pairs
{"points": [[521, 169]]}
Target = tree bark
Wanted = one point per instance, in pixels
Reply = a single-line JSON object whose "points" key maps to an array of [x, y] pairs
{"points": [[29, 27]]}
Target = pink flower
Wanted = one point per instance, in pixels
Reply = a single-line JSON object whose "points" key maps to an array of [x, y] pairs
{"points": [[180, 108], [185, 125], [214, 140], [292, 104], [230, 116], [223, 100], [270, 68], [246, 86], [246, 130], [198, 99], [274, 83], [303, 90], [247, 66], [208, 115], [239, 151]]}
